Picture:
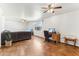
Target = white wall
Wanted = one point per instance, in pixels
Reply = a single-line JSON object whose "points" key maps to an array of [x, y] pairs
{"points": [[66, 24], [1, 27], [15, 25], [1, 22], [10, 18]]}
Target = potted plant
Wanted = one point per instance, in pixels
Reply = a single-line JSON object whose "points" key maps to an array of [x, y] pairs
{"points": [[8, 39]]}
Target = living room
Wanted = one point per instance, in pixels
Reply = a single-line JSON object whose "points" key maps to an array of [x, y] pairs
{"points": [[31, 17]]}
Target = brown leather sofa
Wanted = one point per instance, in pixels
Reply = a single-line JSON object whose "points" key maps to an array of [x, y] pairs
{"points": [[17, 36]]}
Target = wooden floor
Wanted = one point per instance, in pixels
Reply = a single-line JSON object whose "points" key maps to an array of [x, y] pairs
{"points": [[37, 47]]}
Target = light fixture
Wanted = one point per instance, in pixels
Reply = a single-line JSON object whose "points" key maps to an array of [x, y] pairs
{"points": [[50, 10]]}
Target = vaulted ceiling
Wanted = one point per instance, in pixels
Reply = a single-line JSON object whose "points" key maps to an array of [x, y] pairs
{"points": [[33, 11]]}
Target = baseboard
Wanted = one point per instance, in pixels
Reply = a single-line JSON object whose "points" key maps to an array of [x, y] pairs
{"points": [[69, 44], [39, 36]]}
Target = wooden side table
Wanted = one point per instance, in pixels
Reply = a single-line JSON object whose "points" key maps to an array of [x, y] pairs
{"points": [[70, 39]]}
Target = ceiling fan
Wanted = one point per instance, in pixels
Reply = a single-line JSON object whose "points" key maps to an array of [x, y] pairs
{"points": [[51, 7]]}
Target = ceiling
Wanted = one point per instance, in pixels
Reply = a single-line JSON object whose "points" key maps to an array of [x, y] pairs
{"points": [[33, 11]]}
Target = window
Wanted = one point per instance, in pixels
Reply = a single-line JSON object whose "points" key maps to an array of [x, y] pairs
{"points": [[38, 25]]}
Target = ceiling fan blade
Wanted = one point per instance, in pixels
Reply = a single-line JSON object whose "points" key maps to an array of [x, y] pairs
{"points": [[44, 8], [45, 11], [57, 7]]}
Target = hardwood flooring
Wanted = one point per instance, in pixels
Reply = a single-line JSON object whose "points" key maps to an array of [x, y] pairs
{"points": [[37, 47]]}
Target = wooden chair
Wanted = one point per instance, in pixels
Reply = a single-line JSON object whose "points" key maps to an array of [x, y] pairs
{"points": [[56, 37]]}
